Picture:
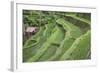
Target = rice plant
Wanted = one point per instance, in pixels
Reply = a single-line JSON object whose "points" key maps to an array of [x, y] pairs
{"points": [[56, 36]]}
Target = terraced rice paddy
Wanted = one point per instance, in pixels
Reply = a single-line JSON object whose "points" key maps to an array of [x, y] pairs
{"points": [[59, 36]]}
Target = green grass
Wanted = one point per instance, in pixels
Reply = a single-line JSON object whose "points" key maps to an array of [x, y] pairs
{"points": [[60, 36]]}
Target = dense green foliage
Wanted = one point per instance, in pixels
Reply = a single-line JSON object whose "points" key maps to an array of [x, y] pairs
{"points": [[60, 36]]}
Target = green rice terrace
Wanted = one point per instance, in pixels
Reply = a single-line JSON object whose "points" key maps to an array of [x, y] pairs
{"points": [[56, 36]]}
